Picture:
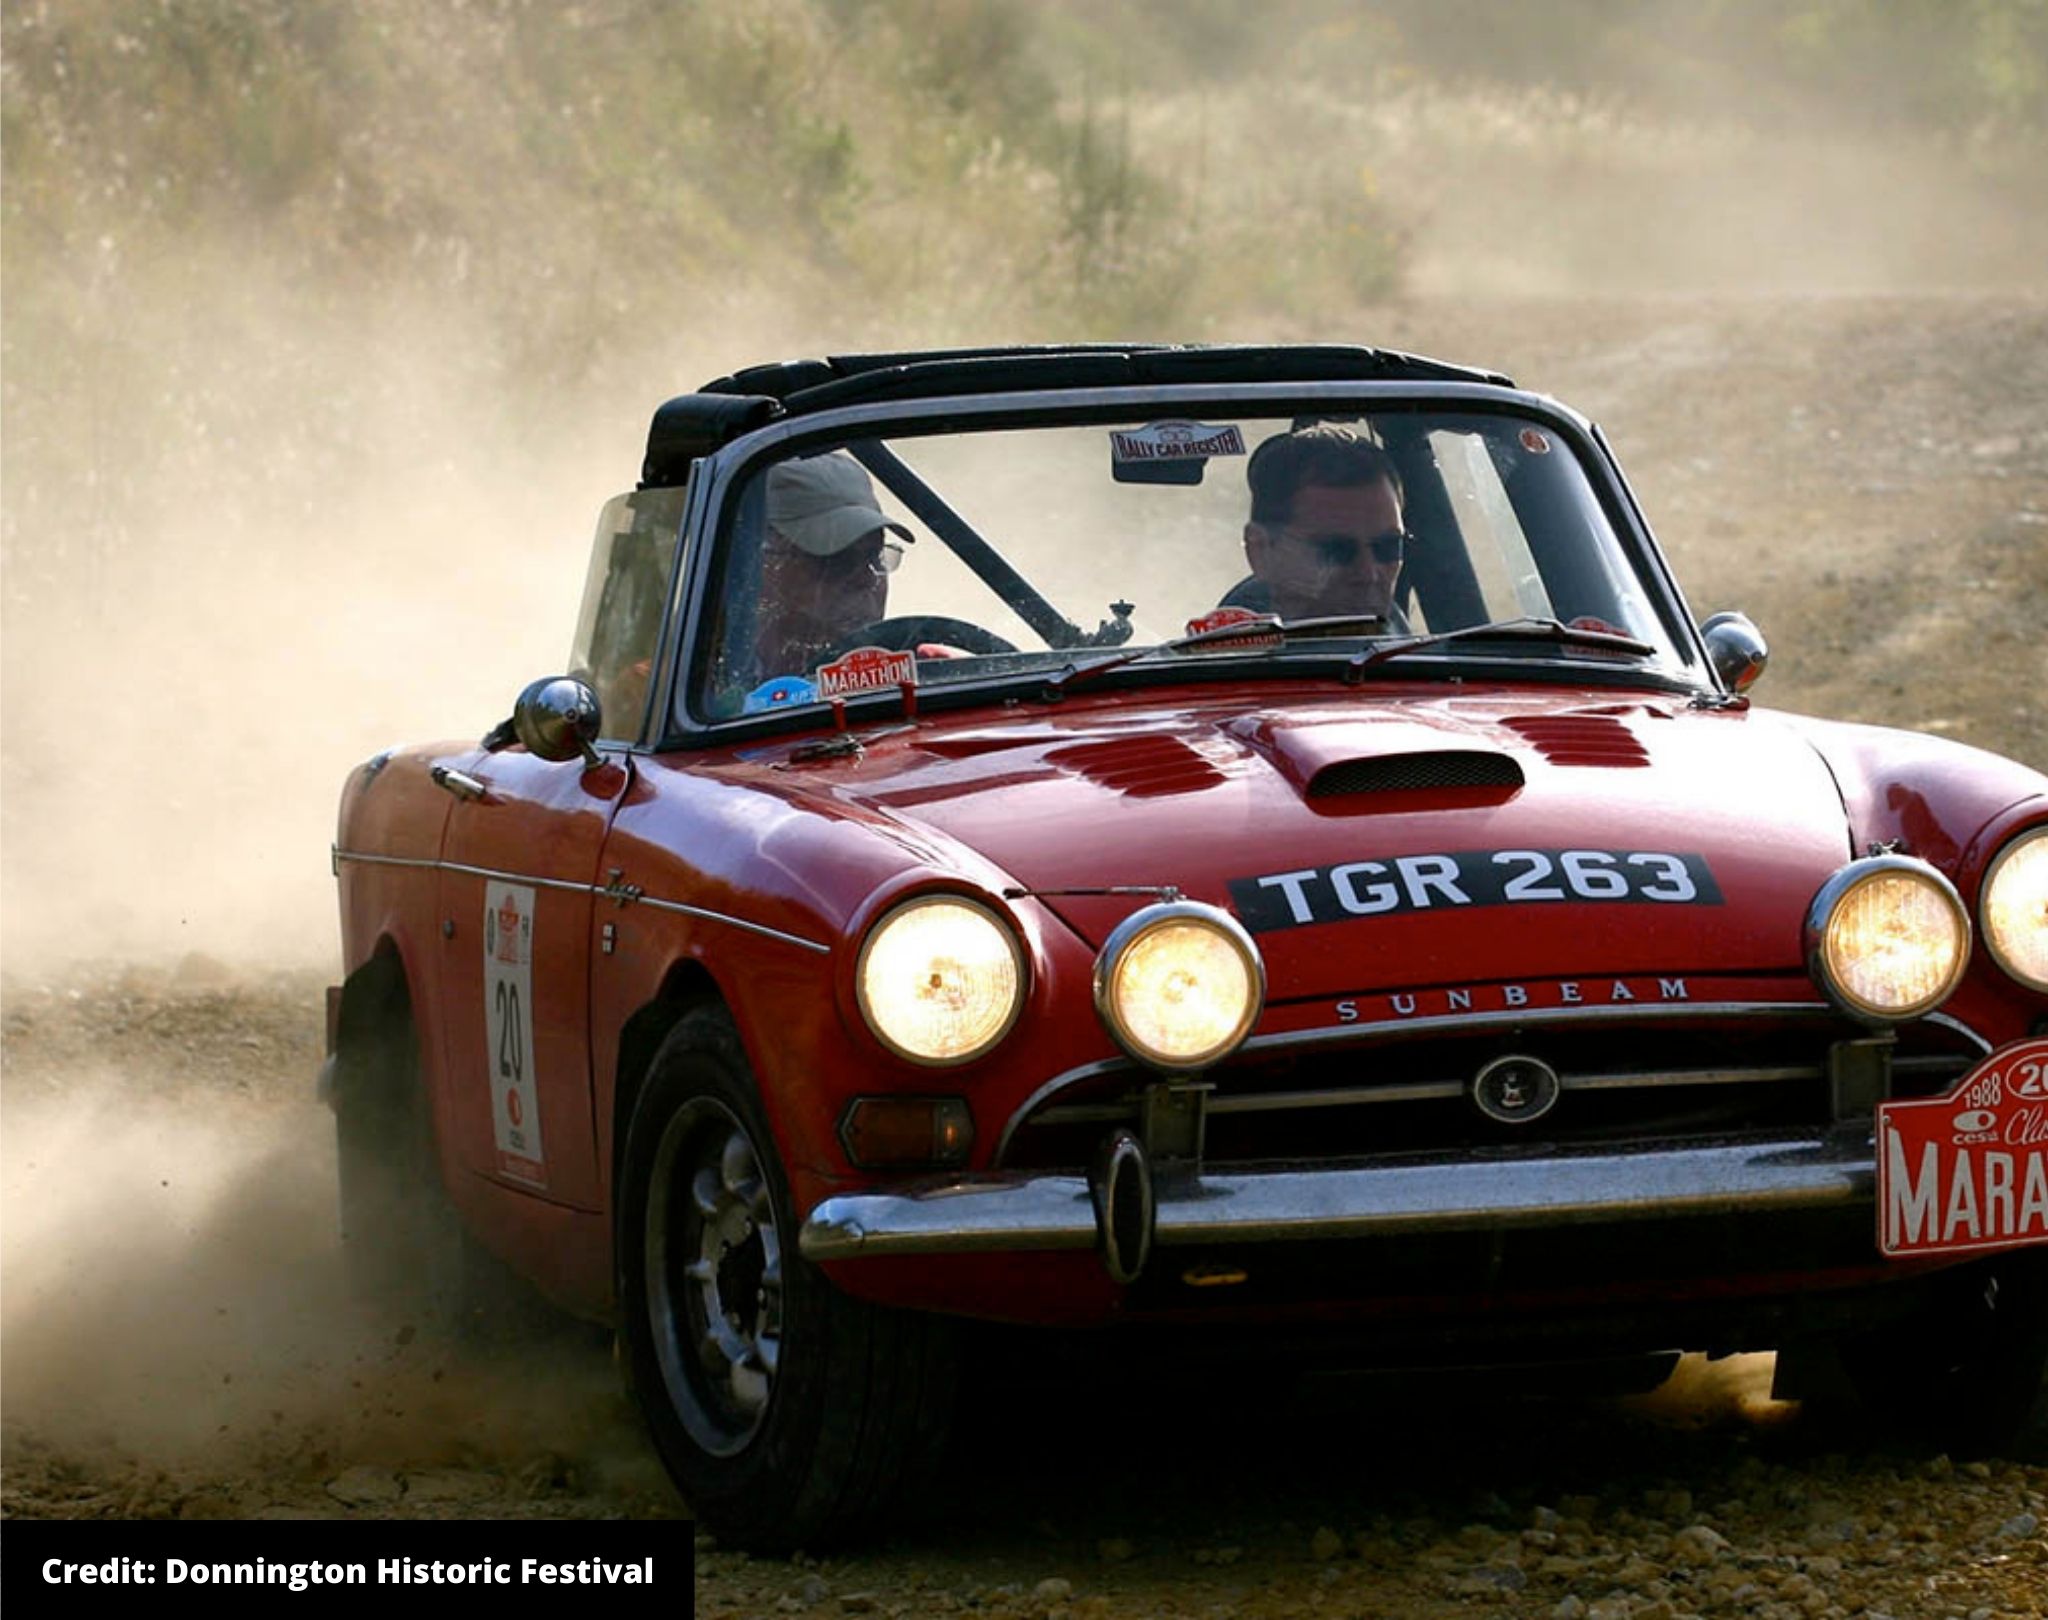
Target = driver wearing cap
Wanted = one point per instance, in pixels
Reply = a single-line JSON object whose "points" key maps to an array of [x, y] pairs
{"points": [[825, 563]]}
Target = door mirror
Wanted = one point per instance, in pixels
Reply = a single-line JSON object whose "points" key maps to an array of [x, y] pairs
{"points": [[1736, 648], [557, 718]]}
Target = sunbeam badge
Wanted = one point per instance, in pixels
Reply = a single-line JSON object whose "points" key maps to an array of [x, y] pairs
{"points": [[1515, 1090]]}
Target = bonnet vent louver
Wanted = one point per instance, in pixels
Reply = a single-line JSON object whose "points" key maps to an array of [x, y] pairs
{"points": [[1397, 773], [1581, 739], [1140, 767]]}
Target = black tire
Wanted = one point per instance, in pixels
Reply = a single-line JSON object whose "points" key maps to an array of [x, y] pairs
{"points": [[398, 1234], [403, 1245], [1965, 1375], [789, 1414]]}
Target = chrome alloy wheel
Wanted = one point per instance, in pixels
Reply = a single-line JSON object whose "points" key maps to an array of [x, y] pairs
{"points": [[714, 1276]]}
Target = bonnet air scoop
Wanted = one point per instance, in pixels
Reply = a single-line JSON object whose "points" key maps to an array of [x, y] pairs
{"points": [[1412, 772]]}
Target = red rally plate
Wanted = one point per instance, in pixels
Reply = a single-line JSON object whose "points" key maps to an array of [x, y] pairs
{"points": [[1260, 629], [1968, 1172]]}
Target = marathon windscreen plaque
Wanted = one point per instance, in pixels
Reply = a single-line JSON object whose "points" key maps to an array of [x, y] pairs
{"points": [[1969, 1171], [865, 669]]}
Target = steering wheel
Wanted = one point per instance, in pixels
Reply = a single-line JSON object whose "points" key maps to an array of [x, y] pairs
{"points": [[904, 632]]}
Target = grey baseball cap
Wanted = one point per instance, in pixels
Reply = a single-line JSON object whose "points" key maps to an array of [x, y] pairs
{"points": [[823, 504]]}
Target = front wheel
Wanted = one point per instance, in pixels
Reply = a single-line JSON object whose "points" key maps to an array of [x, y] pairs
{"points": [[403, 1245], [401, 1242], [1965, 1375], [788, 1413]]}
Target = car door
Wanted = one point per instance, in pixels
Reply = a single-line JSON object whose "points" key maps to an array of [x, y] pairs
{"points": [[517, 893]]}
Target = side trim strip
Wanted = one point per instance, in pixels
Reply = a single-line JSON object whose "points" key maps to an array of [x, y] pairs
{"points": [[458, 867], [736, 922], [516, 877], [341, 855]]}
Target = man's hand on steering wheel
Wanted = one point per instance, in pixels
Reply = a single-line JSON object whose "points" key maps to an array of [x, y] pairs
{"points": [[907, 631]]}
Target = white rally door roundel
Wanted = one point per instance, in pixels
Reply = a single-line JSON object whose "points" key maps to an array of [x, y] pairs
{"points": [[508, 1030]]}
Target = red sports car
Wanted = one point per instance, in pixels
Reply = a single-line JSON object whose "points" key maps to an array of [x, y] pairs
{"points": [[1245, 844]]}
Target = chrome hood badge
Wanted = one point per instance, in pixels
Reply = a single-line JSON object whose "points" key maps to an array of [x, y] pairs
{"points": [[1515, 1090]]}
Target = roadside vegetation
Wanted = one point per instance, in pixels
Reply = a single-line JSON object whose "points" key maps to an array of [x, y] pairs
{"points": [[584, 176]]}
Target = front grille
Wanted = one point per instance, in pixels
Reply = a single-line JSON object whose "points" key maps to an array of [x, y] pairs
{"points": [[1680, 1081]]}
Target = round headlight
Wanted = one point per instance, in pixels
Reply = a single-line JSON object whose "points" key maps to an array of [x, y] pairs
{"points": [[2014, 907], [940, 980], [1888, 938], [1180, 985]]}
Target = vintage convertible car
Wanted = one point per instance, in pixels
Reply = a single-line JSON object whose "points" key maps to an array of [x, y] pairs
{"points": [[1245, 847]]}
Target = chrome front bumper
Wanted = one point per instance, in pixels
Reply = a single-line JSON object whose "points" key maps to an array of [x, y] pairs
{"points": [[999, 1212]]}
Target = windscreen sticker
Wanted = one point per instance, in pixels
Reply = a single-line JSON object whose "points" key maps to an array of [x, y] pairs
{"points": [[508, 1031], [780, 692], [1535, 443], [1175, 441], [866, 669], [1968, 1171], [1260, 629], [1466, 878]]}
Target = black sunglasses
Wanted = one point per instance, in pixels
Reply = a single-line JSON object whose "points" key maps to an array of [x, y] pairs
{"points": [[1341, 550], [859, 558]]}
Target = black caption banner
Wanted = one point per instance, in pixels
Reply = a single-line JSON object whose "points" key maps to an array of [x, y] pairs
{"points": [[1471, 877], [376, 1567]]}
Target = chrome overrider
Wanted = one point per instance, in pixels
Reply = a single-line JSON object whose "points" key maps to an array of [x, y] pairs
{"points": [[1019, 1211]]}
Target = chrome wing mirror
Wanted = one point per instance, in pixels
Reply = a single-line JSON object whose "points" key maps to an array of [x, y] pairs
{"points": [[1737, 650], [557, 718]]}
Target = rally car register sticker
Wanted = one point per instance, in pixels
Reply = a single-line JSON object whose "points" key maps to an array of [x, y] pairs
{"points": [[1175, 441], [508, 1031], [1968, 1171]]}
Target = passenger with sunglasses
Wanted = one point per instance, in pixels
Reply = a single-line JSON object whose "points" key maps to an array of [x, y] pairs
{"points": [[1326, 535], [825, 562]]}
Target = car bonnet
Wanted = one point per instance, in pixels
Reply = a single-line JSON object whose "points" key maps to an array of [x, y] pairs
{"points": [[1414, 840]]}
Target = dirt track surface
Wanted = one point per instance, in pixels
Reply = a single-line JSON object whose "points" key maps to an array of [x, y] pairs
{"points": [[1868, 479]]}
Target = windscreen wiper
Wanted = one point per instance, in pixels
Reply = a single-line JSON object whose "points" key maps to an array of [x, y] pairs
{"points": [[1529, 629], [1265, 630]]}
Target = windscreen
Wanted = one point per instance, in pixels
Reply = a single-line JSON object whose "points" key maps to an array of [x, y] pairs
{"points": [[620, 620], [1223, 544]]}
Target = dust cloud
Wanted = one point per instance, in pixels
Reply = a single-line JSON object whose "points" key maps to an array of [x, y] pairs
{"points": [[179, 1336], [194, 663]]}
